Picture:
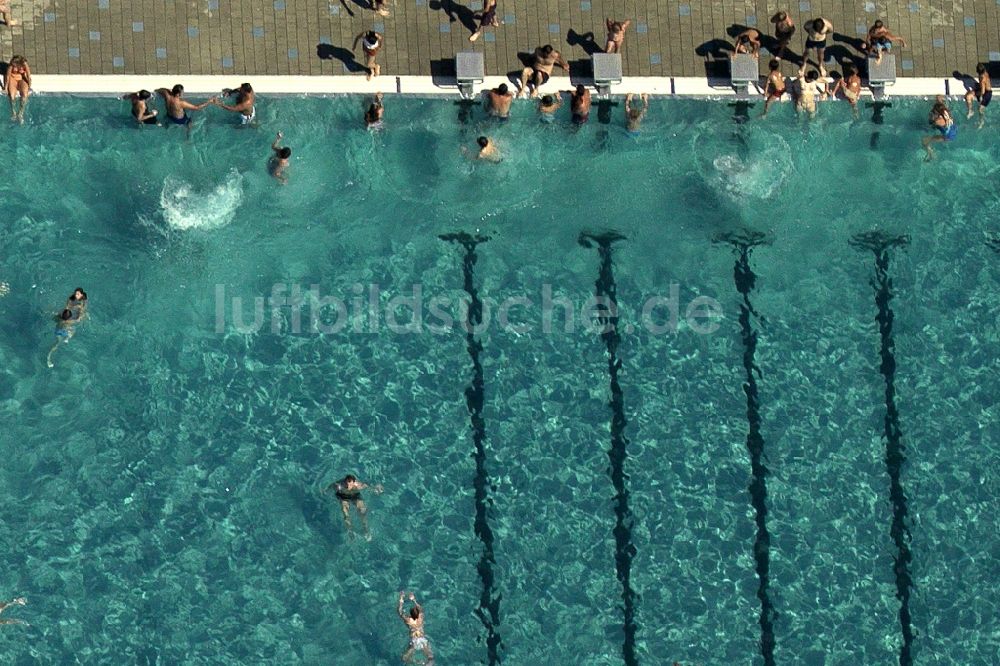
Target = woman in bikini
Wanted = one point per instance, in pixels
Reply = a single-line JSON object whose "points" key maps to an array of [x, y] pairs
{"points": [[18, 83], [371, 43]]}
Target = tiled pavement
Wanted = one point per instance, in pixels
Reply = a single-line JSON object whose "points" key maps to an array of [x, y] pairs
{"points": [[667, 37]]}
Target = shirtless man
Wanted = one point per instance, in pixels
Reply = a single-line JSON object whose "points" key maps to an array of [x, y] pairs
{"points": [[880, 40], [371, 44], [142, 114], [850, 85], [616, 35], [579, 104], [635, 114], [18, 84], [774, 87], [817, 31], [348, 491], [20, 601], [545, 59], [487, 19], [279, 160], [784, 28], [245, 99], [982, 92], [177, 106], [498, 101], [414, 621], [374, 113], [809, 88], [748, 41]]}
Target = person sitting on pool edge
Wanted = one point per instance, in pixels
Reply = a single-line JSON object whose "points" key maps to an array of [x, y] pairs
{"points": [[348, 491], [414, 621], [983, 91], [279, 160], [177, 106], [373, 116], [544, 60], [140, 111], [246, 100]]}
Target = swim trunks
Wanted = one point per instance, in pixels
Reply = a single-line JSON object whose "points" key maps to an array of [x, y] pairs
{"points": [[418, 642], [580, 118], [547, 117], [776, 94], [949, 132], [62, 332], [544, 75], [819, 44], [246, 119], [186, 120], [150, 121], [883, 44], [986, 98]]}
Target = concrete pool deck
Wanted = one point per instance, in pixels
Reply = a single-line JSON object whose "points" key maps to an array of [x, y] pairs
{"points": [[251, 39]]}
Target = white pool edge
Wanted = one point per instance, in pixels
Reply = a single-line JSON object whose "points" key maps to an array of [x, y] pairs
{"points": [[106, 85]]}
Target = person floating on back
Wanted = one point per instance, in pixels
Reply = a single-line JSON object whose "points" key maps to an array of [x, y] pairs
{"points": [[177, 106], [279, 160], [983, 91], [414, 621], [348, 491], [245, 104], [4, 605], [140, 107]]}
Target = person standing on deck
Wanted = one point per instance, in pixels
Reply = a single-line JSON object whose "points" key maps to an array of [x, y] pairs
{"points": [[371, 44], [817, 31]]}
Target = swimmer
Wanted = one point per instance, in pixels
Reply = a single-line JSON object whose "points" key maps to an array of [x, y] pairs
{"points": [[373, 116], [748, 41], [616, 35], [348, 491], [850, 85], [77, 302], [982, 92], [65, 328], [810, 87], [941, 120], [498, 101], [487, 19], [817, 31], [279, 160], [18, 84], [371, 44], [544, 60], [487, 150], [547, 107], [775, 86], [140, 109], [414, 621], [784, 28], [177, 106], [634, 114], [20, 601], [880, 40], [246, 99], [580, 104]]}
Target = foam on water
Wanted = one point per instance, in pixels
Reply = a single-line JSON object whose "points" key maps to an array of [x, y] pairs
{"points": [[186, 208]]}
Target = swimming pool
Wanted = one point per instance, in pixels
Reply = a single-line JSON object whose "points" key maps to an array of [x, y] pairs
{"points": [[161, 496]]}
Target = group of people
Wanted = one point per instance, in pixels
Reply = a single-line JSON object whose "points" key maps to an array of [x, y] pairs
{"points": [[348, 493], [177, 106], [72, 314]]}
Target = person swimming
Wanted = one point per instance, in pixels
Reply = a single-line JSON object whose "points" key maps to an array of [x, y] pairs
{"points": [[348, 491], [414, 621], [65, 328], [373, 116]]}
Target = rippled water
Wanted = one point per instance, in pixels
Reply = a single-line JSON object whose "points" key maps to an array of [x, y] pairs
{"points": [[160, 500]]}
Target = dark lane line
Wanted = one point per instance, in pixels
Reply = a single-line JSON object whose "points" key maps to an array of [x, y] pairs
{"points": [[744, 278], [489, 601], [895, 450], [606, 292]]}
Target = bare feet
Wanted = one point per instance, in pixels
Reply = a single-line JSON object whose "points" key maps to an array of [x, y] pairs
{"points": [[474, 36]]}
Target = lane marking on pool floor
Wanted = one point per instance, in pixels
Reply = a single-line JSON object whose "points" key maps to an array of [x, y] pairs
{"points": [[745, 279], [606, 292], [489, 601], [895, 450]]}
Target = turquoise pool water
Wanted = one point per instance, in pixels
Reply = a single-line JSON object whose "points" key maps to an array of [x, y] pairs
{"points": [[160, 497]]}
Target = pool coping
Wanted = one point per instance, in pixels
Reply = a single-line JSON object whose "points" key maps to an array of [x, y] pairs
{"points": [[107, 85]]}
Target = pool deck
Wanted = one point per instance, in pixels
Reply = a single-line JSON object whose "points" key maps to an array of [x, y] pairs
{"points": [[295, 38]]}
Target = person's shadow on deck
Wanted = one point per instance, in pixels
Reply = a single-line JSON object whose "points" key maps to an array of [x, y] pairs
{"points": [[715, 53], [346, 56], [456, 12], [585, 41]]}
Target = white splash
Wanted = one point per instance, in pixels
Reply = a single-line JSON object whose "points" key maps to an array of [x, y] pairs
{"points": [[185, 208]]}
